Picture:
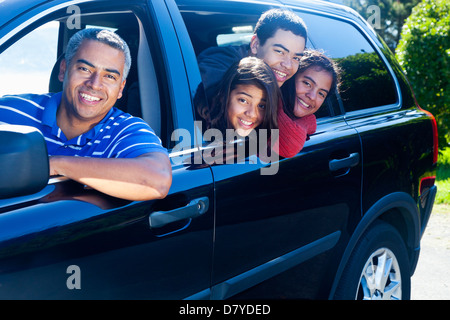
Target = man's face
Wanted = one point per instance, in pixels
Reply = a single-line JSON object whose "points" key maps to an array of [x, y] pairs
{"points": [[92, 81], [282, 53]]}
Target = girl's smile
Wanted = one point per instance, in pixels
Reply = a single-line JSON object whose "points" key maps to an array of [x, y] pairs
{"points": [[246, 108], [311, 87]]}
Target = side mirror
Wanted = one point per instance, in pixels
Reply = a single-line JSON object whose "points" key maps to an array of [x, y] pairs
{"points": [[24, 165]]}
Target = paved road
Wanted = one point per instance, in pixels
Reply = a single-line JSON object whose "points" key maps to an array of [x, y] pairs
{"points": [[431, 280]]}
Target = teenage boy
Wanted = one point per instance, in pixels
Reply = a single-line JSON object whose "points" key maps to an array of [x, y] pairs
{"points": [[279, 39]]}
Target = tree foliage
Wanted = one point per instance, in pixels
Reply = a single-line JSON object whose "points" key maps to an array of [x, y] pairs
{"points": [[424, 53], [392, 15]]}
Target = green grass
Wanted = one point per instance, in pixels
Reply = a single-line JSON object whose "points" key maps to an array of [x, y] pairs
{"points": [[443, 178]]}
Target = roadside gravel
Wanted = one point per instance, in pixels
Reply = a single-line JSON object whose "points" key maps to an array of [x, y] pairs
{"points": [[431, 281]]}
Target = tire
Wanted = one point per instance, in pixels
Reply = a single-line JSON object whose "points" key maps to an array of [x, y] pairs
{"points": [[378, 268]]}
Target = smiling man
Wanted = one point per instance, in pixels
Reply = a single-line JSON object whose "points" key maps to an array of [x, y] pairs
{"points": [[88, 140]]}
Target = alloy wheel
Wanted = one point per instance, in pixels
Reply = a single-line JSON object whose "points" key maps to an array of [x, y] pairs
{"points": [[380, 278]]}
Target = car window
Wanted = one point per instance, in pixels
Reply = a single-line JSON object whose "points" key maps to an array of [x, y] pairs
{"points": [[366, 81], [31, 64], [239, 35], [231, 25], [27, 64], [214, 24]]}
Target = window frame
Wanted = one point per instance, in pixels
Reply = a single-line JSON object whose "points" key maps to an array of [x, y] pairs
{"points": [[24, 58], [376, 47], [47, 13], [335, 107]]}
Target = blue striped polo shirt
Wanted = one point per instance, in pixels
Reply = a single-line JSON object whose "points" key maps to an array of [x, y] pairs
{"points": [[118, 135]]}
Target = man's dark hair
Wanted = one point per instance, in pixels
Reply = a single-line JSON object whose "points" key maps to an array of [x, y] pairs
{"points": [[104, 36], [272, 20]]}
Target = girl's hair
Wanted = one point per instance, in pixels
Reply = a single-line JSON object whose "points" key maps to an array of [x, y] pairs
{"points": [[248, 71], [310, 59]]}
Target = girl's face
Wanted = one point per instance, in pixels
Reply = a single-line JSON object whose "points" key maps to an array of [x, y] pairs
{"points": [[246, 108], [312, 87]]}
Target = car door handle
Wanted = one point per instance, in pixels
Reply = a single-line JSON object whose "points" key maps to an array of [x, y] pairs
{"points": [[349, 162], [193, 209]]}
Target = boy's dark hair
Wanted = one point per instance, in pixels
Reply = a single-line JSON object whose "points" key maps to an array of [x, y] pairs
{"points": [[272, 20]]}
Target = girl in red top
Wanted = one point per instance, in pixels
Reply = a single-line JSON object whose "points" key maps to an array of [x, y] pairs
{"points": [[316, 79]]}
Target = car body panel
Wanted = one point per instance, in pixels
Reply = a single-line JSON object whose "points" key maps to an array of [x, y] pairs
{"points": [[261, 218], [118, 253], [225, 230]]}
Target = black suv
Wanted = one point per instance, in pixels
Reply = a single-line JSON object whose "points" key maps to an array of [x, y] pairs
{"points": [[341, 220]]}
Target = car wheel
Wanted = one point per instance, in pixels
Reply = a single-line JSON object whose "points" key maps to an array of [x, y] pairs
{"points": [[378, 268]]}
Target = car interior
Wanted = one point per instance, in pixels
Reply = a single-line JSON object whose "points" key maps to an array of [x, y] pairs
{"points": [[141, 95], [145, 92], [231, 29]]}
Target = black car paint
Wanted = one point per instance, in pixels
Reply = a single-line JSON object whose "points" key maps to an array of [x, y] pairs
{"points": [[277, 236]]}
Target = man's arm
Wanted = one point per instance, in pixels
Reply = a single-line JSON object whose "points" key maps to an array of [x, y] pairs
{"points": [[146, 177]]}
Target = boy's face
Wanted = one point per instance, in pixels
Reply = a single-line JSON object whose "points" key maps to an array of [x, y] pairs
{"points": [[282, 53]]}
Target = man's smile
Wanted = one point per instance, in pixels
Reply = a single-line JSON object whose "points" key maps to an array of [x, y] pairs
{"points": [[89, 98], [281, 76]]}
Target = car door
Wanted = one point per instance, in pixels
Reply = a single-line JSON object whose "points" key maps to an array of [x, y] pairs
{"points": [[269, 224], [280, 223], [67, 242]]}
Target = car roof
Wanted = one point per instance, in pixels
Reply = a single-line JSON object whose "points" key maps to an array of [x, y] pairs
{"points": [[11, 9], [325, 7]]}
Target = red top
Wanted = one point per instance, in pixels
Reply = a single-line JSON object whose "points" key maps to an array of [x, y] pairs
{"points": [[293, 133]]}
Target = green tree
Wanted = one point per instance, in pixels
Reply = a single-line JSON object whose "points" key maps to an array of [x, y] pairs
{"points": [[424, 53], [392, 15]]}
